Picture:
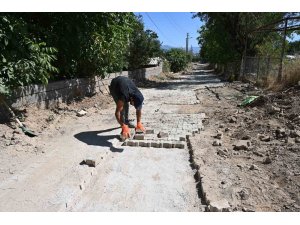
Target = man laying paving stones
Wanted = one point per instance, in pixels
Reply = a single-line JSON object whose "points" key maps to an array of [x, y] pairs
{"points": [[123, 90]]}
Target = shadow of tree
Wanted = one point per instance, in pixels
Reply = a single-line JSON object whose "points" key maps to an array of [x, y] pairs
{"points": [[93, 138]]}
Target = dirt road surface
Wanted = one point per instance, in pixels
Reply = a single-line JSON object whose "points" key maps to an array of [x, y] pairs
{"points": [[211, 156], [125, 178]]}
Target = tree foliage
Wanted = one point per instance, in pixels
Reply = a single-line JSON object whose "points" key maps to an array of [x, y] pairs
{"points": [[23, 58], [223, 36], [82, 45], [177, 59], [89, 43], [293, 47], [143, 46]]}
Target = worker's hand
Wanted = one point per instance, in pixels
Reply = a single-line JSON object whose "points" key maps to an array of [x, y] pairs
{"points": [[125, 131], [140, 127]]}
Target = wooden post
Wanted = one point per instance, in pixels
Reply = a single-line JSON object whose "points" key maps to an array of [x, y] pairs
{"points": [[268, 65], [243, 63], [257, 71], [279, 78]]}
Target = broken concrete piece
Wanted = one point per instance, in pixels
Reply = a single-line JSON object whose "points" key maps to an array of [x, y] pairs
{"points": [[219, 206], [242, 145], [81, 113], [162, 135]]}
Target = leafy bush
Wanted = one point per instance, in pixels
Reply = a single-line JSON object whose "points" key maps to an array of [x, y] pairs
{"points": [[24, 60], [166, 66], [177, 59]]}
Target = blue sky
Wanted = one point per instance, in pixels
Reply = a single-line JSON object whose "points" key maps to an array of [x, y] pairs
{"points": [[172, 27]]}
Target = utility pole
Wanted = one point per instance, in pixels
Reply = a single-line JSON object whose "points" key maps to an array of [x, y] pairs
{"points": [[282, 51], [187, 43]]}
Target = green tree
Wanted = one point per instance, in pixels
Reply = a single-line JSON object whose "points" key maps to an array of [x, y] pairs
{"points": [[177, 59], [223, 37], [23, 59], [293, 47], [89, 43], [143, 46]]}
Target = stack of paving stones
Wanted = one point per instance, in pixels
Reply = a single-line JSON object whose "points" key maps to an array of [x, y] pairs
{"points": [[166, 128], [171, 131]]}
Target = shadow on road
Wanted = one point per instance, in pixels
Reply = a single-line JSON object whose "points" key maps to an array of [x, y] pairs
{"points": [[93, 138]]}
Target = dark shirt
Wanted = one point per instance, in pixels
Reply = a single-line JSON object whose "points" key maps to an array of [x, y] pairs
{"points": [[122, 88]]}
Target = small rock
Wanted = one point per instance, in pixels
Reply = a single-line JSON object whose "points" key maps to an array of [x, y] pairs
{"points": [[162, 135], [258, 153], [242, 145], [247, 210], [246, 137], [81, 113], [227, 129], [5, 136], [297, 140], [219, 206], [217, 143], [253, 167], [239, 166], [90, 162], [267, 160], [289, 140], [280, 133], [265, 138], [295, 133], [243, 194], [232, 119], [219, 135], [272, 109], [221, 126], [221, 152], [50, 118]]}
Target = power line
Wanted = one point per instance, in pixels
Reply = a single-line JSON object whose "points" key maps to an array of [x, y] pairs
{"points": [[173, 21], [168, 18], [158, 28]]}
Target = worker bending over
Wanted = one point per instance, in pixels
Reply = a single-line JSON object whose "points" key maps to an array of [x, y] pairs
{"points": [[123, 90]]}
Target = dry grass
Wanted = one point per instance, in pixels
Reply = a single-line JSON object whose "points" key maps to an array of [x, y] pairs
{"points": [[291, 76]]}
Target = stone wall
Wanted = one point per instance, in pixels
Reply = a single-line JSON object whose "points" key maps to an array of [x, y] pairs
{"points": [[45, 96]]}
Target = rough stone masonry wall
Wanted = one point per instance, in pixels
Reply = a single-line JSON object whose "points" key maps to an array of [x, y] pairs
{"points": [[45, 96]]}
